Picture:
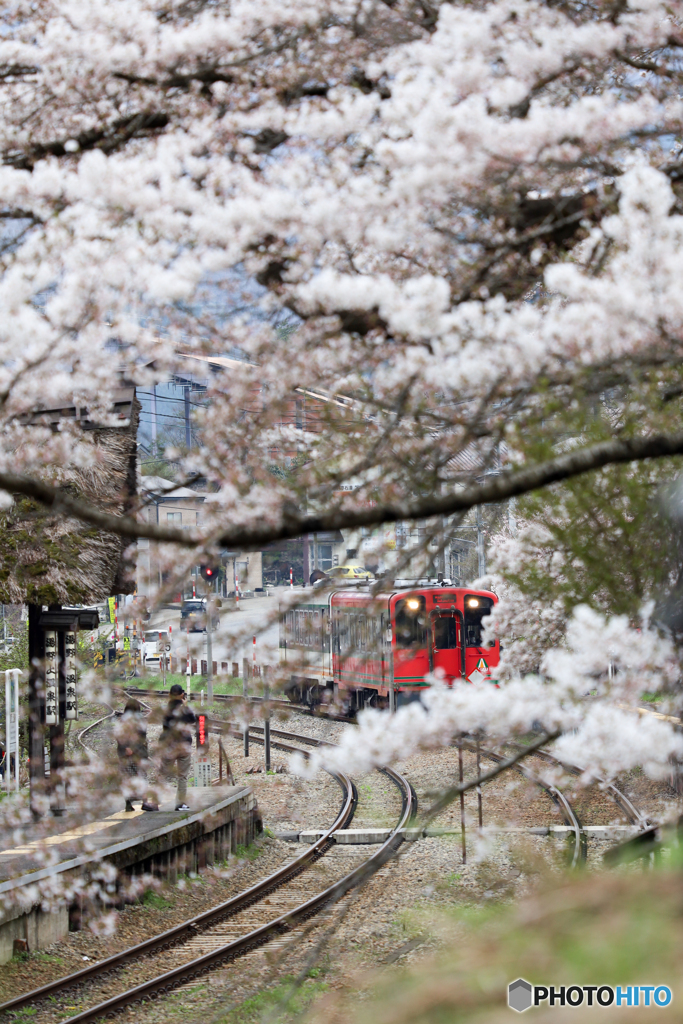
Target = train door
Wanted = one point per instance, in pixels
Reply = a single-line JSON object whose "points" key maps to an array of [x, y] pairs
{"points": [[480, 658], [411, 654], [447, 647]]}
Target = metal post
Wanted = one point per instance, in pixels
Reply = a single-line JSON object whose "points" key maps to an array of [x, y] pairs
{"points": [[12, 726], [266, 722], [220, 761], [245, 693], [209, 649], [479, 804], [188, 667], [36, 696], [462, 805]]}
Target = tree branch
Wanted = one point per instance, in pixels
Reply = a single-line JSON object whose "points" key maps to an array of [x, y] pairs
{"points": [[254, 535]]}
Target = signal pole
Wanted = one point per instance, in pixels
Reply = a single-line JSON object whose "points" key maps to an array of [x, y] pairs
{"points": [[208, 574], [209, 651]]}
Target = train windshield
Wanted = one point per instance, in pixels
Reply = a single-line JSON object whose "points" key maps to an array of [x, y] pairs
{"points": [[411, 622], [446, 633], [476, 609]]}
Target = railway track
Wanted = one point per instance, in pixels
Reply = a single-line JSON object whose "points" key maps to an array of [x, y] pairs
{"points": [[93, 725], [578, 840], [260, 916]]}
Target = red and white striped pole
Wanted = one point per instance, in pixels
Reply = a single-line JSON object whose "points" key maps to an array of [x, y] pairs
{"points": [[237, 593], [194, 587], [291, 577]]}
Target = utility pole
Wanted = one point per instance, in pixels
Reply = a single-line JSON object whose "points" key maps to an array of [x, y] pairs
{"points": [[188, 433], [481, 548]]}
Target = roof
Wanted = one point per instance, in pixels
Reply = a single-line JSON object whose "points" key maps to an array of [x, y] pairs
{"points": [[48, 558], [159, 486]]}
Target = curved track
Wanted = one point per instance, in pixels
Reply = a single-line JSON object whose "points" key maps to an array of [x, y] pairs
{"points": [[568, 813], [93, 725], [579, 846], [641, 821], [187, 932]]}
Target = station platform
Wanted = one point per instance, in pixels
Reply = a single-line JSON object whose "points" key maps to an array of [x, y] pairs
{"points": [[165, 843]]}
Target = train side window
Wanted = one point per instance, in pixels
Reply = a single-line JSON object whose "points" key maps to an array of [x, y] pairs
{"points": [[362, 630], [411, 623]]}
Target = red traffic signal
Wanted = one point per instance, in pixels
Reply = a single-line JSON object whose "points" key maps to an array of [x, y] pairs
{"points": [[208, 572]]}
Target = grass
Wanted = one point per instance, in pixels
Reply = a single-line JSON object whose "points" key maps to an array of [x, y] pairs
{"points": [[221, 684], [279, 1003], [607, 928], [251, 852], [153, 899]]}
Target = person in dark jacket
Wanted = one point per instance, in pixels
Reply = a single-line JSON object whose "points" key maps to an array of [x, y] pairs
{"points": [[131, 743], [176, 743]]}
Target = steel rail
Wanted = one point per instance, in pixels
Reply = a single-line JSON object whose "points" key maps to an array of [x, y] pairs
{"points": [[621, 800], [81, 734], [260, 936], [579, 849], [189, 929]]}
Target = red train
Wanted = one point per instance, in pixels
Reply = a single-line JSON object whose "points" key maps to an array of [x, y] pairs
{"points": [[368, 649]]}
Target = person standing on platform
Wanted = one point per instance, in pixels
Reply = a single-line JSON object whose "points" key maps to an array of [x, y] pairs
{"points": [[131, 741], [176, 743]]}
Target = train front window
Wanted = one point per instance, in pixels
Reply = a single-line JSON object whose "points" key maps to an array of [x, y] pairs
{"points": [[446, 633], [411, 622], [476, 609]]}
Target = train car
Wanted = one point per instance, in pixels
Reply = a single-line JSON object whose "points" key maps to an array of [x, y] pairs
{"points": [[371, 649]]}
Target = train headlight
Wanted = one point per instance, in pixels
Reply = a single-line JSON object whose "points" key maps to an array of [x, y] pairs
{"points": [[473, 602], [413, 604]]}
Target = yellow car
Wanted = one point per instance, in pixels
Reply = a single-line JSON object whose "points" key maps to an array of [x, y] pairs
{"points": [[355, 571]]}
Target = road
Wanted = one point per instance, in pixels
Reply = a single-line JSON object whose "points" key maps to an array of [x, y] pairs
{"points": [[233, 640]]}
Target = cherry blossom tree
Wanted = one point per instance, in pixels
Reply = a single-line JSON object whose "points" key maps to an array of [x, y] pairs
{"points": [[452, 223]]}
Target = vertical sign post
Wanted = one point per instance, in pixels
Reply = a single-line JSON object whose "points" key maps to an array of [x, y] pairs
{"points": [[202, 765], [188, 667], [12, 726], [51, 678], [71, 713]]}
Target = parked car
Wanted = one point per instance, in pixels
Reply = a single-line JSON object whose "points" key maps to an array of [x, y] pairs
{"points": [[354, 571], [193, 615]]}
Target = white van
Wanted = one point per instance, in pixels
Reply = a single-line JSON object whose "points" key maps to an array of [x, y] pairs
{"points": [[154, 644]]}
